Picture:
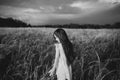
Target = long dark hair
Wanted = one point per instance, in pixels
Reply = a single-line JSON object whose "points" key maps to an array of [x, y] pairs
{"points": [[67, 45]]}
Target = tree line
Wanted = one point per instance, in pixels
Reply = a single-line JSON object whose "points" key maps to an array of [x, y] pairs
{"points": [[10, 22]]}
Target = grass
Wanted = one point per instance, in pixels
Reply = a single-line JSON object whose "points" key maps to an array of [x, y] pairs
{"points": [[28, 53]]}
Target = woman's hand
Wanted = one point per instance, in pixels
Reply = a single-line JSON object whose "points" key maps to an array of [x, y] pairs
{"points": [[52, 72]]}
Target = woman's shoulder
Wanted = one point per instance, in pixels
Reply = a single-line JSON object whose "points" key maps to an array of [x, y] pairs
{"points": [[57, 45]]}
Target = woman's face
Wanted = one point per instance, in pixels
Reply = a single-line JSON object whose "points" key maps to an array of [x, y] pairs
{"points": [[56, 38]]}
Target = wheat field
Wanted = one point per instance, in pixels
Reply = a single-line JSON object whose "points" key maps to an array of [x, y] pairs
{"points": [[27, 54]]}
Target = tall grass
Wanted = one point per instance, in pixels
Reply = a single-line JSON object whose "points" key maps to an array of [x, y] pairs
{"points": [[29, 56]]}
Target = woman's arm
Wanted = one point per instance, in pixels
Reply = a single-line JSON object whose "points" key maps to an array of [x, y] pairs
{"points": [[56, 57], [55, 65]]}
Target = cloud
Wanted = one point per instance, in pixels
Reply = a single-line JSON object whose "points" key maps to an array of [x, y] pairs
{"points": [[31, 10], [47, 9], [110, 1], [91, 5], [88, 7], [82, 5]]}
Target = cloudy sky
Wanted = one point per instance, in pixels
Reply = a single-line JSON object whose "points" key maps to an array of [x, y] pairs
{"points": [[37, 12]]}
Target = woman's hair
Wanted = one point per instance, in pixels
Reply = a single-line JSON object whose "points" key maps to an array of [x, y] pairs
{"points": [[67, 45]]}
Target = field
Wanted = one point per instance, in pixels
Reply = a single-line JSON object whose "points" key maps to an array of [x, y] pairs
{"points": [[28, 53]]}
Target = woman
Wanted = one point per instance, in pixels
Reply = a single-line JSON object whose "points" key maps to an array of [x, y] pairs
{"points": [[63, 57]]}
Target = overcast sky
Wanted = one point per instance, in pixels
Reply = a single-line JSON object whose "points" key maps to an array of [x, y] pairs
{"points": [[37, 12]]}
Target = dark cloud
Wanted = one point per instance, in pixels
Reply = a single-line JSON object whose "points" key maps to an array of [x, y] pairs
{"points": [[10, 2], [105, 17], [34, 3]]}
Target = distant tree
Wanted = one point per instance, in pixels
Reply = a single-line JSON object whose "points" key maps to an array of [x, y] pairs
{"points": [[10, 22], [116, 25]]}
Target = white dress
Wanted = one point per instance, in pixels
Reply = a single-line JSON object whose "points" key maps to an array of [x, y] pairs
{"points": [[63, 71]]}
